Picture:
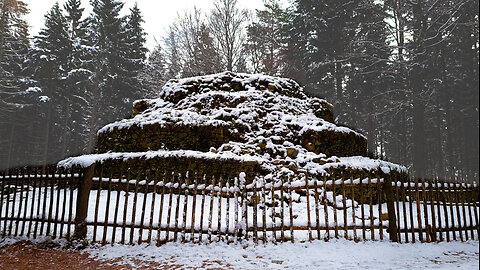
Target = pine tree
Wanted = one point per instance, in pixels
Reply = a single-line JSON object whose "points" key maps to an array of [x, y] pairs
{"points": [[14, 99], [75, 135], [317, 29], [134, 54], [107, 101], [367, 75], [172, 54], [210, 61], [265, 39], [153, 74], [255, 47], [50, 61], [14, 45], [322, 32]]}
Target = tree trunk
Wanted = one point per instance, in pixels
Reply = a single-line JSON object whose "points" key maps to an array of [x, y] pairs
{"points": [[10, 147], [339, 70], [47, 137], [417, 84], [419, 150], [438, 157], [404, 138], [370, 121], [92, 135], [449, 141], [94, 111], [67, 116], [3, 25]]}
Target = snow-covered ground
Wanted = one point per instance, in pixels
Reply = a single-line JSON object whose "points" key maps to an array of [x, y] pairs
{"points": [[336, 254]]}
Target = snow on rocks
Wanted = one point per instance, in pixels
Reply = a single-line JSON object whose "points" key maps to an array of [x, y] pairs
{"points": [[242, 117], [87, 160]]}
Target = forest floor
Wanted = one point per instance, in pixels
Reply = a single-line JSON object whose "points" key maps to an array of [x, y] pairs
{"points": [[317, 255]]}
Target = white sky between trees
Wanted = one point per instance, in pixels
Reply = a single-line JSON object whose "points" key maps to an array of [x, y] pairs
{"points": [[158, 14]]}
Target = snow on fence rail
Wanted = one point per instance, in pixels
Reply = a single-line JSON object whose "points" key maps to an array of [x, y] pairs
{"points": [[117, 207]]}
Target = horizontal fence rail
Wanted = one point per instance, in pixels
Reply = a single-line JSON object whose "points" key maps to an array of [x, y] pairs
{"points": [[112, 206]]}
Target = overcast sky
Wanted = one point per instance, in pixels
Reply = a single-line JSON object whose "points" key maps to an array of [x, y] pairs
{"points": [[158, 14]]}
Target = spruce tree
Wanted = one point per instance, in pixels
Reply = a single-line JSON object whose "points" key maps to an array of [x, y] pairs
{"points": [[77, 32], [107, 101], [172, 54], [323, 31], [79, 71], [341, 52], [265, 39], [14, 45], [369, 69], [14, 98], [50, 61], [134, 54], [153, 74]]}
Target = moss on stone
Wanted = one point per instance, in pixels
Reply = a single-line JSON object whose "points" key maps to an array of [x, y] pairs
{"points": [[140, 106], [169, 136], [333, 143]]}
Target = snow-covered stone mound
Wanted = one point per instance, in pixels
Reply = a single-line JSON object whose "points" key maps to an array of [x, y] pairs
{"points": [[267, 123]]}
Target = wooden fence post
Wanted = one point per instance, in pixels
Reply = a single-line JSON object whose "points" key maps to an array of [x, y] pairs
{"points": [[392, 219], [83, 195]]}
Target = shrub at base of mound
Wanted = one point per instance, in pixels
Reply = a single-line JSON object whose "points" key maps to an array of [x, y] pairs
{"points": [[168, 136], [333, 143]]}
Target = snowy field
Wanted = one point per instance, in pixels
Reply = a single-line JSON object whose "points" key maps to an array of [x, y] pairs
{"points": [[335, 254]]}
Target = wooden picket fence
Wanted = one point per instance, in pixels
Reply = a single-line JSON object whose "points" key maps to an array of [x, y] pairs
{"points": [[433, 210], [108, 206]]}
